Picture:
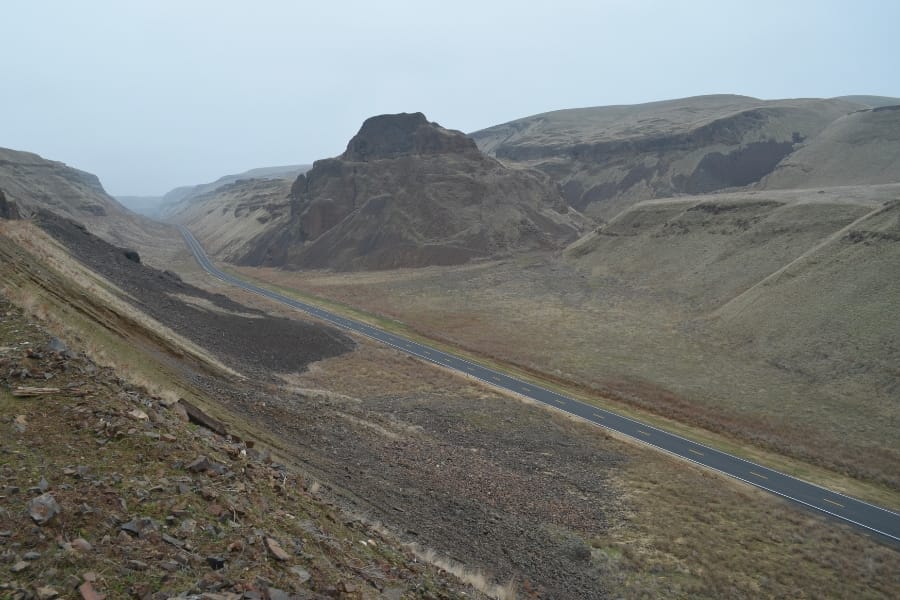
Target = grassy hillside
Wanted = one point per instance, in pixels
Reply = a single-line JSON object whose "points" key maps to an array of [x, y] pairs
{"points": [[857, 149]]}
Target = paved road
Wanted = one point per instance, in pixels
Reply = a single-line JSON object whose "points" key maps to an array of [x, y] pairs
{"points": [[880, 521]]}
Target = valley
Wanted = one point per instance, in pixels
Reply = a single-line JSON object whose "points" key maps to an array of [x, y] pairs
{"points": [[718, 267]]}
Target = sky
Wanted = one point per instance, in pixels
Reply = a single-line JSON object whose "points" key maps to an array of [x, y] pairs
{"points": [[150, 95]]}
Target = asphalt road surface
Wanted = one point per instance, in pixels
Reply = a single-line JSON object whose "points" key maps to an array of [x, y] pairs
{"points": [[884, 523]]}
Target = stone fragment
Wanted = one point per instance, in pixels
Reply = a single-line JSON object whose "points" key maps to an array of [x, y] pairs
{"points": [[215, 562], [137, 565], [19, 566], [46, 593], [199, 464], [82, 545], [140, 527], [276, 549], [138, 415], [302, 574], [43, 508], [88, 592], [187, 526], [30, 556], [57, 345], [197, 416]]}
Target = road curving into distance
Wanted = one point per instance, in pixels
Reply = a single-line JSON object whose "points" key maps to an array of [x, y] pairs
{"points": [[883, 523]]}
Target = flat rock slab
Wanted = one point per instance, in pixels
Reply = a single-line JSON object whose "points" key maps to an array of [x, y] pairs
{"points": [[276, 549]]}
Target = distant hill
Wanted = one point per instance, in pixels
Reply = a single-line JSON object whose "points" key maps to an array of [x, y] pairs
{"points": [[230, 217], [145, 205], [405, 193], [871, 101], [185, 193], [34, 183], [608, 158]]}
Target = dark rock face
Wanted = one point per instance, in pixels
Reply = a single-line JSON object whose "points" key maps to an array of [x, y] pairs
{"points": [[748, 164], [387, 136], [8, 208]]}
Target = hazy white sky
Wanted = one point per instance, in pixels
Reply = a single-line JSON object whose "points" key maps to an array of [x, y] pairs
{"points": [[151, 95]]}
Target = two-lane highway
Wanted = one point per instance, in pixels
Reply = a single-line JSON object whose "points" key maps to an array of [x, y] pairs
{"points": [[880, 521]]}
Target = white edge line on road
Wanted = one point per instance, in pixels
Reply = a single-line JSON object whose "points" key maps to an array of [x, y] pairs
{"points": [[221, 275]]}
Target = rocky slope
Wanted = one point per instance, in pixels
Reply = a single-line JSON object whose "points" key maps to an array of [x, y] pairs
{"points": [[215, 517], [607, 158], [409, 193]]}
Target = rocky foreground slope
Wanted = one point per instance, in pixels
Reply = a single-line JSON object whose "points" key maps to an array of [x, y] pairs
{"points": [[406, 193], [607, 158], [108, 490]]}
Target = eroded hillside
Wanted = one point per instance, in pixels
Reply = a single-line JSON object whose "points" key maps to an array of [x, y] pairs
{"points": [[607, 158], [33, 183]]}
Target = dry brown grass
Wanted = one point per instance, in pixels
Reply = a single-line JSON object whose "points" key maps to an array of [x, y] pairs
{"points": [[474, 577], [694, 534], [628, 358], [687, 532]]}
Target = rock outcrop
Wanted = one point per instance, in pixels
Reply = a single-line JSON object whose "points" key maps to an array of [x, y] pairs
{"points": [[8, 210], [410, 193], [390, 136]]}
